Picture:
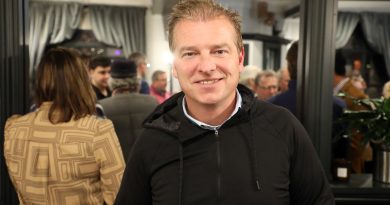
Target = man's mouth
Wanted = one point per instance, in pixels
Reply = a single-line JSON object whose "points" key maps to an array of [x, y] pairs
{"points": [[208, 82]]}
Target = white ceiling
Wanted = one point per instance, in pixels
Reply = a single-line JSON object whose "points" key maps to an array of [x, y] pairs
{"points": [[274, 5], [140, 3], [360, 6]]}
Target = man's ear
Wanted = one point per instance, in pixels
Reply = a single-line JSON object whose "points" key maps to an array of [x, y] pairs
{"points": [[174, 72], [241, 57]]}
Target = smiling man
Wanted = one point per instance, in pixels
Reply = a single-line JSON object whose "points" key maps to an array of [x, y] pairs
{"points": [[215, 143]]}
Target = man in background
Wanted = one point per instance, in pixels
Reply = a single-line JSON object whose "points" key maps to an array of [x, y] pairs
{"points": [[99, 73], [266, 85], [284, 78], [142, 66], [126, 107], [158, 89], [248, 75]]}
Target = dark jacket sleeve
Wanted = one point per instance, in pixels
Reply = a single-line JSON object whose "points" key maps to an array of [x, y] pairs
{"points": [[135, 187], [308, 182]]}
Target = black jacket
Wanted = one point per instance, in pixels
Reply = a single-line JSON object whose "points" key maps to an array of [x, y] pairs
{"points": [[262, 155]]}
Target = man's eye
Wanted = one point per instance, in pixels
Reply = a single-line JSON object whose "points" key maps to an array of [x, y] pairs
{"points": [[219, 52], [188, 54]]}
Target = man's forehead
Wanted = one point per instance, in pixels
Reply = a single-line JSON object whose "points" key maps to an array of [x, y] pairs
{"points": [[102, 69], [268, 78], [179, 24]]}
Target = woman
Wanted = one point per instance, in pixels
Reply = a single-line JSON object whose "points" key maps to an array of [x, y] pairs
{"points": [[62, 153]]}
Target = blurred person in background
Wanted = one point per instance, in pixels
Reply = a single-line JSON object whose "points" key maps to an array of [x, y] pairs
{"points": [[359, 153], [142, 67], [248, 75], [158, 89], [62, 153], [99, 73], [127, 108], [358, 81], [266, 84], [284, 78], [386, 90]]}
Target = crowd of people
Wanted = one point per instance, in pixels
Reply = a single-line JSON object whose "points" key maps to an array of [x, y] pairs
{"points": [[100, 134]]}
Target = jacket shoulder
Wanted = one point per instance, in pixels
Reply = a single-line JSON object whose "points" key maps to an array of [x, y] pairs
{"points": [[272, 113], [277, 121]]}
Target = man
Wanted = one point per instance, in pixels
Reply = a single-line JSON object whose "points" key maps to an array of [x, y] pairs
{"points": [[284, 78], [266, 85], [140, 60], [358, 153], [99, 72], [127, 108], [214, 143], [158, 89]]}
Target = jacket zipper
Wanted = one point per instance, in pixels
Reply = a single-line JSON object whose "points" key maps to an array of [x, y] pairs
{"points": [[219, 166]]}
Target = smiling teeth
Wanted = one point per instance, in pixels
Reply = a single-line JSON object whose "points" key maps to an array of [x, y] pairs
{"points": [[205, 82]]}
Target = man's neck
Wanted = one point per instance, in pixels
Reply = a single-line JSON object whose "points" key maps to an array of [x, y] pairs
{"points": [[158, 91], [214, 114], [102, 90]]}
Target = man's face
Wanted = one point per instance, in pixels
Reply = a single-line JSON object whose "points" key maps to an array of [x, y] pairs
{"points": [[161, 83], [206, 61], [99, 76], [267, 87], [284, 79], [142, 67]]}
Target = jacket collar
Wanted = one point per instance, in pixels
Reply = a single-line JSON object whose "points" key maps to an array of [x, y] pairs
{"points": [[238, 100], [170, 118]]}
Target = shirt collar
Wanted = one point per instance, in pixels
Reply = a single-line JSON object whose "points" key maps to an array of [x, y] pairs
{"points": [[207, 126]]}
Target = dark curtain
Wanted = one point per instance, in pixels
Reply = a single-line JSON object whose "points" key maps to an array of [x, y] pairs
{"points": [[119, 26], [346, 24], [50, 23], [376, 28]]}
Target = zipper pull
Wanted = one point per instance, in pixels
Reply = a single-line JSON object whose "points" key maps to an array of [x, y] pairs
{"points": [[216, 132]]}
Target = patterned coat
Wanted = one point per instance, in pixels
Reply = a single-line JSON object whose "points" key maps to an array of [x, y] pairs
{"points": [[77, 162]]}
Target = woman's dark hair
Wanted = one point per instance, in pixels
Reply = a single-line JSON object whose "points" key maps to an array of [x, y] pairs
{"points": [[292, 60], [62, 78], [339, 64]]}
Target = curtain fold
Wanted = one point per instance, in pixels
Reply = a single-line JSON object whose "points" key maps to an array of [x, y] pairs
{"points": [[119, 26], [346, 24], [50, 23], [376, 28]]}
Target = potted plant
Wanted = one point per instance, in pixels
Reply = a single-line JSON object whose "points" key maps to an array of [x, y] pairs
{"points": [[374, 125]]}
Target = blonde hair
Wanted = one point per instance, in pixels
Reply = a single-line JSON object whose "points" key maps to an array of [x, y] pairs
{"points": [[266, 73], [249, 73], [137, 57], [386, 90], [202, 10], [62, 78]]}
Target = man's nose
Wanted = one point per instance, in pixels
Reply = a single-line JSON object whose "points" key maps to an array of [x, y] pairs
{"points": [[273, 90], [206, 64]]}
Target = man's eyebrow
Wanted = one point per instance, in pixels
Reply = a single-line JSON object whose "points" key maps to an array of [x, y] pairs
{"points": [[187, 48]]}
